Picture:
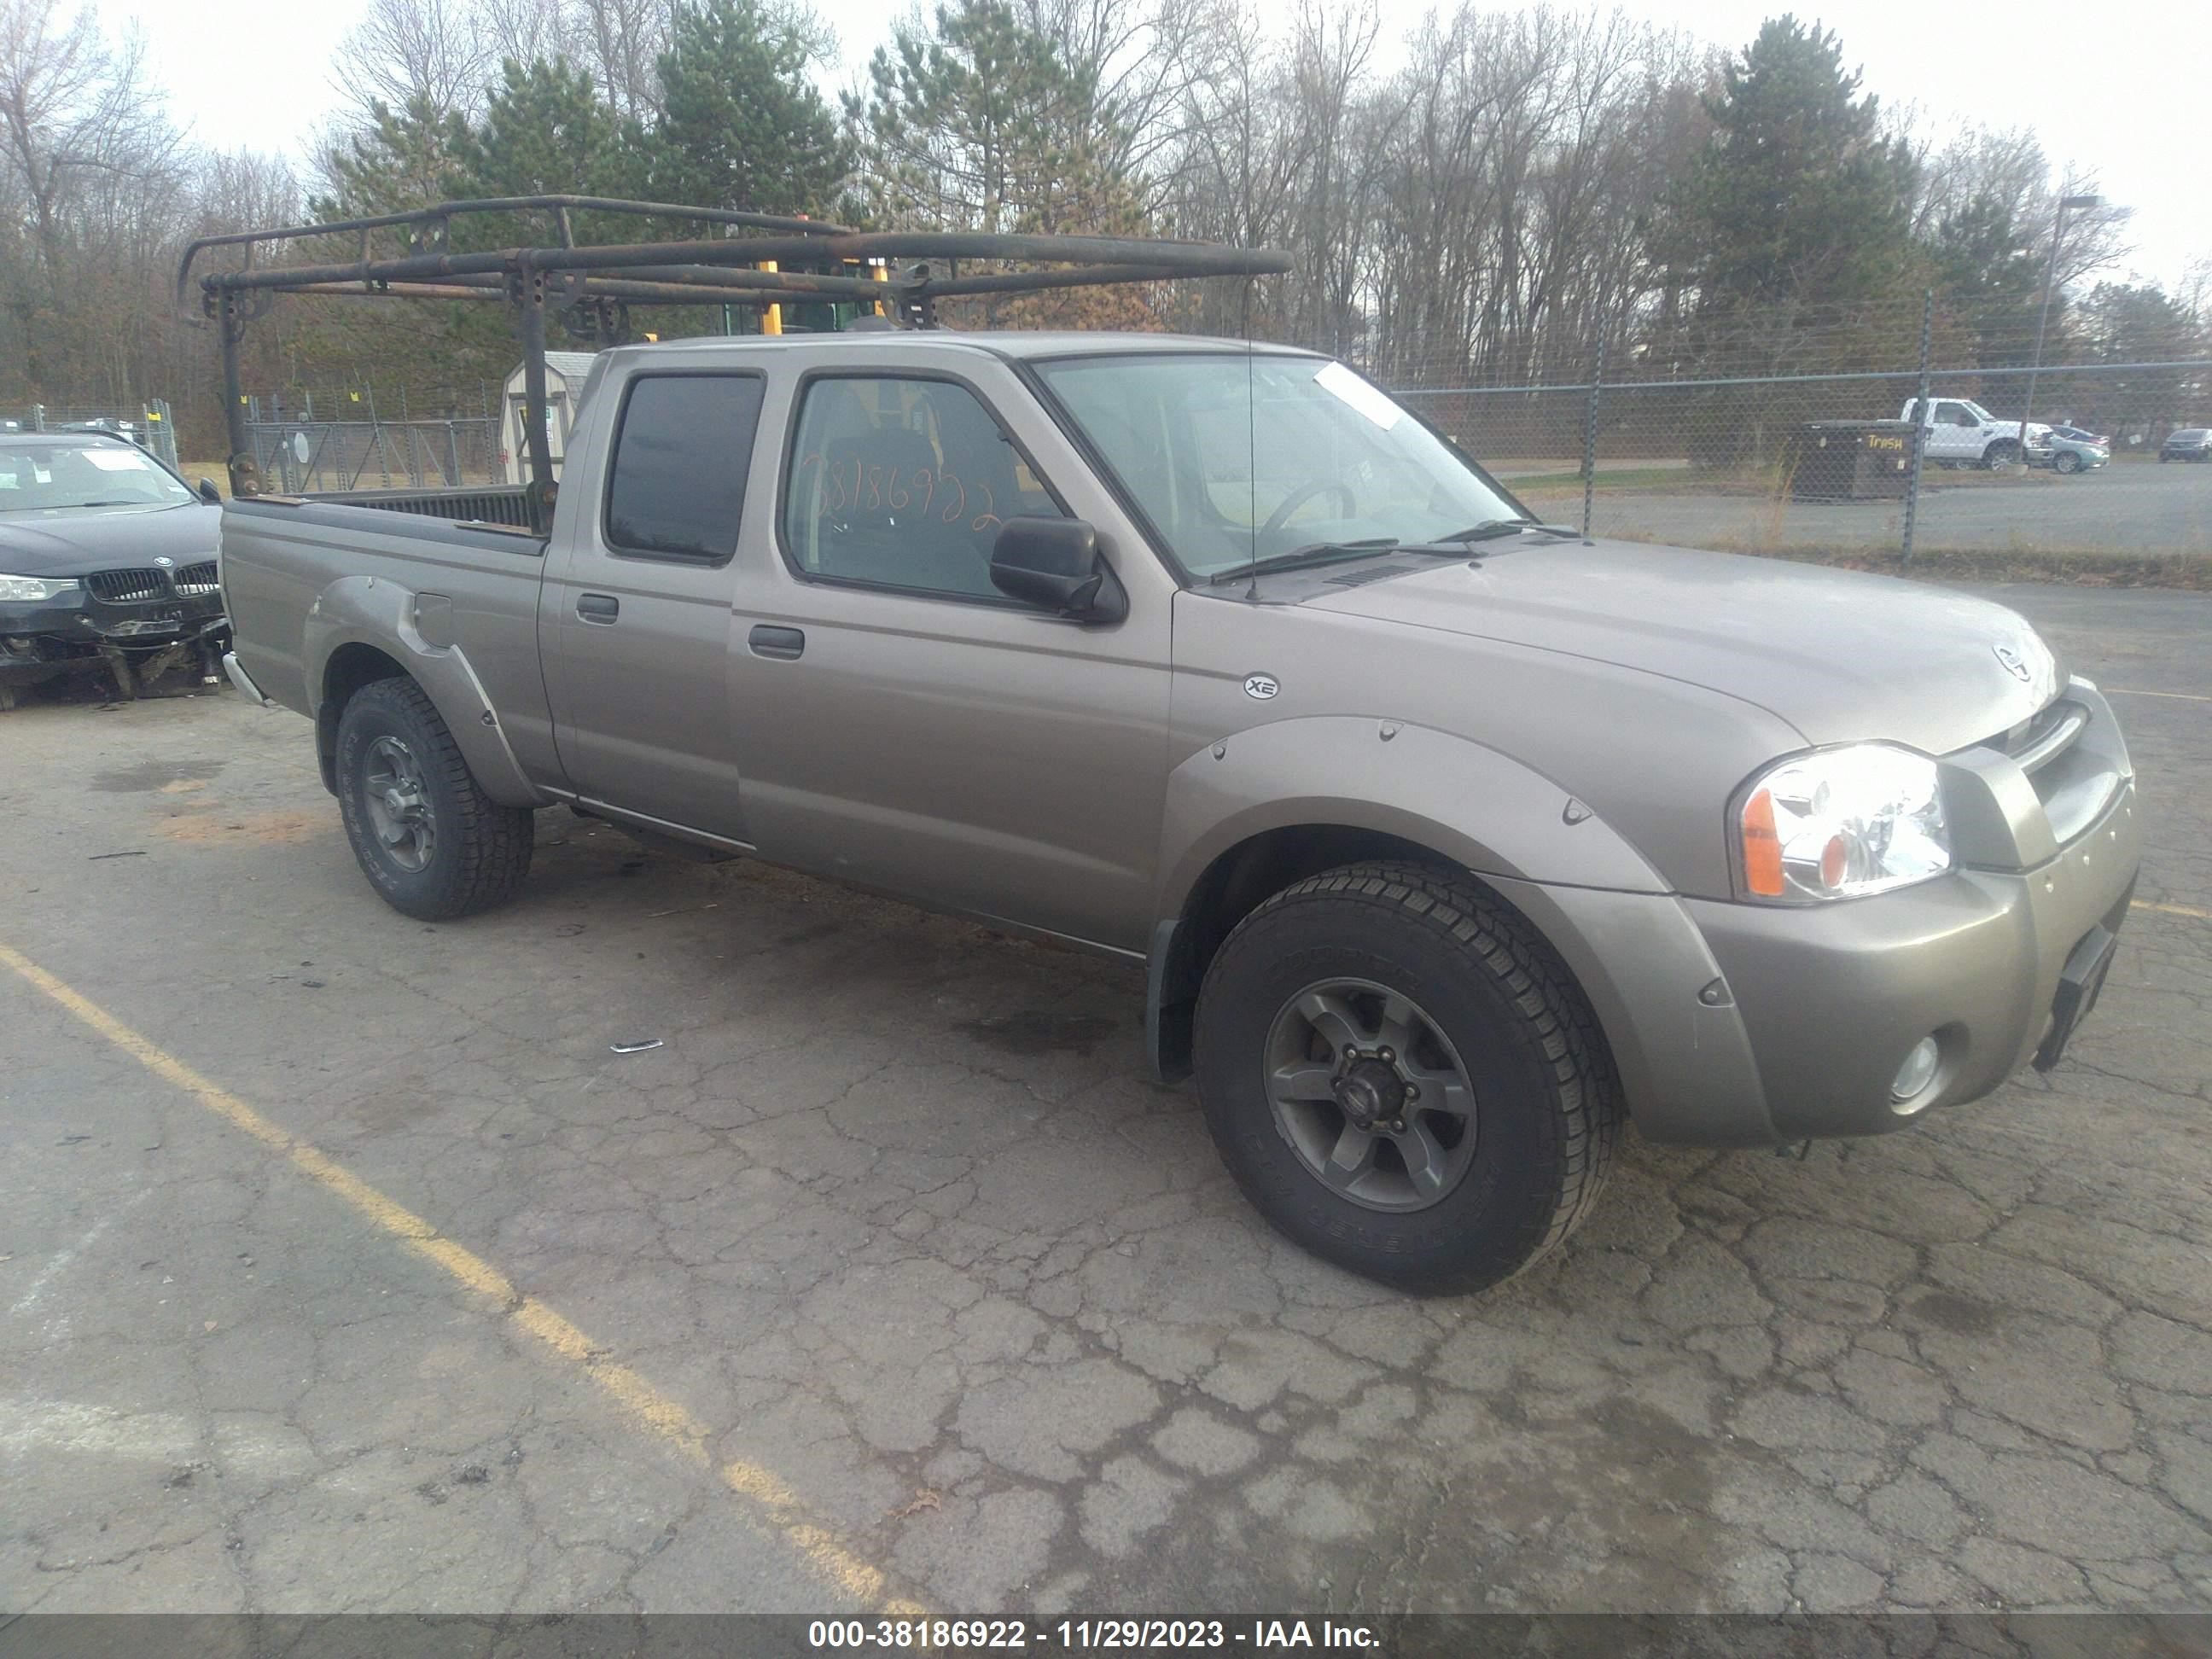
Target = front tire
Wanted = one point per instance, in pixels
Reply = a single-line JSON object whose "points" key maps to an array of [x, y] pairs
{"points": [[2003, 452], [430, 840], [2066, 461], [1403, 1078]]}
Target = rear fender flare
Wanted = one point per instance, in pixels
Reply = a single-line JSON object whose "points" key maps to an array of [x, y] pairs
{"points": [[414, 630]]}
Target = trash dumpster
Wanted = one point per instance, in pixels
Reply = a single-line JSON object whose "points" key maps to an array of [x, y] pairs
{"points": [[1851, 460]]}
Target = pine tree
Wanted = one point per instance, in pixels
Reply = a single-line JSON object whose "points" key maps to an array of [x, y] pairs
{"points": [[1989, 277], [544, 132], [406, 158], [983, 122], [1799, 199], [740, 126]]}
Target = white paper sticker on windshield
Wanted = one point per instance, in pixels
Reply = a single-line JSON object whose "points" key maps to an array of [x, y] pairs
{"points": [[1341, 380], [117, 460]]}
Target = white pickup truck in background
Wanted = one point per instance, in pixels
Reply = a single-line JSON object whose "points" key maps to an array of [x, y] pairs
{"points": [[1959, 432]]}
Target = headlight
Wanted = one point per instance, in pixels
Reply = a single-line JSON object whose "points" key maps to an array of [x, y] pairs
{"points": [[1842, 824], [33, 590]]}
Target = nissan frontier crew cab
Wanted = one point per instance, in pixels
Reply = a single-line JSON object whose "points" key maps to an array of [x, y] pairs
{"points": [[1448, 839]]}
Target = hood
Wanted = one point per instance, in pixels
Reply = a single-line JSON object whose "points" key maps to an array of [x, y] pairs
{"points": [[1838, 655], [106, 538]]}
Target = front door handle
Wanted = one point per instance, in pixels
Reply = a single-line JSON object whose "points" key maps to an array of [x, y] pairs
{"points": [[597, 607], [784, 643]]}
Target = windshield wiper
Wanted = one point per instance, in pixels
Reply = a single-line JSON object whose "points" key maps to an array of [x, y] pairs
{"points": [[1492, 529], [1302, 558]]}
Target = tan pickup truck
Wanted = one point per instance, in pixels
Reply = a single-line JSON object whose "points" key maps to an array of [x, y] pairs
{"points": [[1448, 838]]}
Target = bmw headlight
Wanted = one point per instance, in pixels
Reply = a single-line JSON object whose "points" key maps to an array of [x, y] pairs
{"points": [[1842, 824], [34, 590]]}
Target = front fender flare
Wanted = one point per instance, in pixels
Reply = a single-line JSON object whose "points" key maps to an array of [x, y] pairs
{"points": [[1483, 809], [413, 630], [1684, 1062]]}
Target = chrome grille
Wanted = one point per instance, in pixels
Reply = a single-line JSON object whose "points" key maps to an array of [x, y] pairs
{"points": [[2045, 736], [197, 579], [121, 587]]}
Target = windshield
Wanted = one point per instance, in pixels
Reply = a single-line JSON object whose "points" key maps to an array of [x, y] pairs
{"points": [[47, 477], [1234, 456]]}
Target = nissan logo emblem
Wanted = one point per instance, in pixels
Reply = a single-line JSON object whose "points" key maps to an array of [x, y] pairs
{"points": [[2013, 665]]}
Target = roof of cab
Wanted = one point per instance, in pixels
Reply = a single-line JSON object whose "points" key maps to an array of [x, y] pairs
{"points": [[1013, 343]]}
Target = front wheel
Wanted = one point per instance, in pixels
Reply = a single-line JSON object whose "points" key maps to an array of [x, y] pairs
{"points": [[430, 840], [2066, 461], [2003, 452], [1404, 1079]]}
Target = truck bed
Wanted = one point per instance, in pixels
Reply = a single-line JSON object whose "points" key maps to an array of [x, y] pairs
{"points": [[505, 504], [317, 582]]}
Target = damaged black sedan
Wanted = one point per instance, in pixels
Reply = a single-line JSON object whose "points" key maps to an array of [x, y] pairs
{"points": [[107, 563]]}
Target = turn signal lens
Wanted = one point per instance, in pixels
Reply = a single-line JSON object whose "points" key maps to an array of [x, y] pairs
{"points": [[1762, 847]]}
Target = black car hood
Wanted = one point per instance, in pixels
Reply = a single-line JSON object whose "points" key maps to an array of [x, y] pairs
{"points": [[106, 538]]}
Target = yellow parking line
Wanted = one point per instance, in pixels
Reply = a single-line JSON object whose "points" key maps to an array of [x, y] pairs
{"points": [[634, 1392], [2172, 909], [2179, 696]]}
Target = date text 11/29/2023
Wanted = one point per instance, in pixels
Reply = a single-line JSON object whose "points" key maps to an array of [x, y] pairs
{"points": [[1137, 1635]]}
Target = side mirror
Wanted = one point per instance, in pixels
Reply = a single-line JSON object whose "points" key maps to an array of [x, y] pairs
{"points": [[1054, 564], [209, 493]]}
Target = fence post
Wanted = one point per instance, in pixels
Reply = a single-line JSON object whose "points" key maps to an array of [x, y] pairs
{"points": [[38, 417], [1920, 433], [1589, 438]]}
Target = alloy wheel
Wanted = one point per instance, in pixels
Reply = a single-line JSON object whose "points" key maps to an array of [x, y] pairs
{"points": [[1370, 1095], [398, 806]]}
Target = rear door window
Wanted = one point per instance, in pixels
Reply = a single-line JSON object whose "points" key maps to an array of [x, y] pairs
{"points": [[675, 488]]}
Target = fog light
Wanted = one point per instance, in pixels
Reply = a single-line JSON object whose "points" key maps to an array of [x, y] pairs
{"points": [[1918, 1071]]}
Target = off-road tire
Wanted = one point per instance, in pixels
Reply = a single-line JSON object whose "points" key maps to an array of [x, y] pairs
{"points": [[1548, 1108], [483, 850]]}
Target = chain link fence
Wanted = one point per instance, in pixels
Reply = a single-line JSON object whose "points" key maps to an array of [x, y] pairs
{"points": [[1939, 440], [345, 440], [148, 423]]}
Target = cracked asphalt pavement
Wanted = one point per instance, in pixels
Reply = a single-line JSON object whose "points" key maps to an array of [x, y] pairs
{"points": [[889, 1276]]}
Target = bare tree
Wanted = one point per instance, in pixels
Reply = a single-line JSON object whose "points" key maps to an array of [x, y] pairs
{"points": [[434, 53]]}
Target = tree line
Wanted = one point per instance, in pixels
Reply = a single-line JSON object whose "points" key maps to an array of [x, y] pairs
{"points": [[1495, 199]]}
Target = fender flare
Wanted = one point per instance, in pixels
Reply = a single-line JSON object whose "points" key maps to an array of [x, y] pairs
{"points": [[1482, 809], [415, 630]]}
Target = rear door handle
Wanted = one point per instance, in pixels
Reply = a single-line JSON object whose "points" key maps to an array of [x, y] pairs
{"points": [[597, 607], [786, 643]]}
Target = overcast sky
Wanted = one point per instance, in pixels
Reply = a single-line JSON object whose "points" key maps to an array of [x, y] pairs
{"points": [[2117, 91]]}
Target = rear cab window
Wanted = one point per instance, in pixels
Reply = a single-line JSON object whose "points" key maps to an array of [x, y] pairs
{"points": [[675, 484]]}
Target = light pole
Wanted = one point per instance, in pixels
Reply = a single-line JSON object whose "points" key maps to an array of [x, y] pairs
{"points": [[2042, 317]]}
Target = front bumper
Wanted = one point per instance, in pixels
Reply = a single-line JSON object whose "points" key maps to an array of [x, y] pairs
{"points": [[1748, 1025], [39, 640], [1833, 999]]}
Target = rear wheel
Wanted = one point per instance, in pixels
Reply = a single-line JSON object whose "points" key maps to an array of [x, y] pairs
{"points": [[430, 840], [1403, 1078]]}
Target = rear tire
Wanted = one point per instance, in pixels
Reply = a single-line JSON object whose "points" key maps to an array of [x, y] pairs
{"points": [[1492, 1014], [430, 840]]}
